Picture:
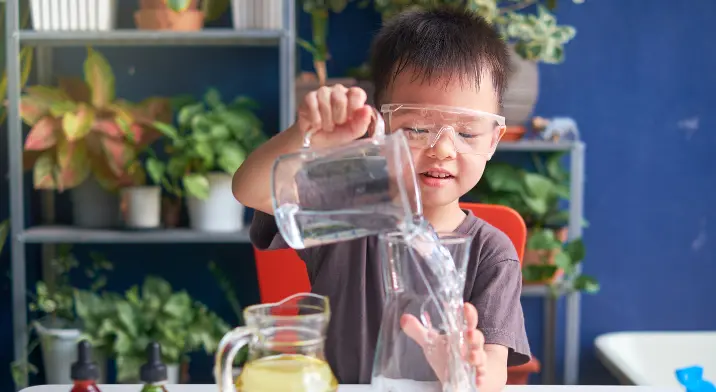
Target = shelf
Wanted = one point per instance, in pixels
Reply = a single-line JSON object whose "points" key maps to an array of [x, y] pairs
{"points": [[537, 145], [209, 36], [69, 234]]}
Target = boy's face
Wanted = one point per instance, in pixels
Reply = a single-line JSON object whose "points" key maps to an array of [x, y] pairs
{"points": [[444, 175]]}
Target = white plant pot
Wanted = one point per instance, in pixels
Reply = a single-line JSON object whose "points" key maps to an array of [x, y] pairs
{"points": [[74, 15], [141, 207], [257, 14], [59, 351], [218, 213]]}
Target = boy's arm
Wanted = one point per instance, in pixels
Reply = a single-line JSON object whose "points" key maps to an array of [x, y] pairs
{"points": [[251, 184], [496, 296]]}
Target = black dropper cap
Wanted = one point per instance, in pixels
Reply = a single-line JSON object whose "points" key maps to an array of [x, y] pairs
{"points": [[154, 370], [84, 368]]}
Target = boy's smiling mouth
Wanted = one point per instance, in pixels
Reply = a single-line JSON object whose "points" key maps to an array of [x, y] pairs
{"points": [[436, 177]]}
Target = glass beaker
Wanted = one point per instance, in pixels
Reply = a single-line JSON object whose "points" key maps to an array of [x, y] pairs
{"points": [[422, 359], [363, 188], [285, 342]]}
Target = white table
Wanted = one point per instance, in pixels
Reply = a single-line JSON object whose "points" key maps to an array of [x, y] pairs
{"points": [[366, 388]]}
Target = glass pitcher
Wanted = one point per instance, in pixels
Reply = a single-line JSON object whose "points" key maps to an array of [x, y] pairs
{"points": [[363, 188], [285, 342], [413, 358]]}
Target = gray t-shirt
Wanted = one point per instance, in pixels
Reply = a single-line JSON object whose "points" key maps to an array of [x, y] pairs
{"points": [[349, 274]]}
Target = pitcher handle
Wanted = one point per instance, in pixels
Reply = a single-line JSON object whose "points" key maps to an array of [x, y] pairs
{"points": [[378, 132], [229, 346]]}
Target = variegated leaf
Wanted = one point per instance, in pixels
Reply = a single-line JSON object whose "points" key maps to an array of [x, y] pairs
{"points": [[119, 154], [44, 171], [77, 125], [100, 78], [43, 134], [73, 163], [75, 88]]}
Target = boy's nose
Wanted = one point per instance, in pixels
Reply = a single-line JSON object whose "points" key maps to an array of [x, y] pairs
{"points": [[444, 145]]}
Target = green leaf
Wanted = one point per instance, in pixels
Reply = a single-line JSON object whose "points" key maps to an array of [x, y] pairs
{"points": [[156, 170], [543, 239], [538, 185], [576, 250], [178, 5], [231, 156], [196, 185], [99, 78], [503, 177], [587, 284], [220, 131], [166, 130], [213, 99], [188, 112], [538, 273], [562, 261]]}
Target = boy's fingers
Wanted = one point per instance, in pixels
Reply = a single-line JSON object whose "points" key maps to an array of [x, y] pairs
{"points": [[310, 111], [339, 104], [360, 121], [324, 107], [470, 316], [414, 329], [356, 99]]}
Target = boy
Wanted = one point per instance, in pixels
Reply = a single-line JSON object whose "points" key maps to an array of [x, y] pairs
{"points": [[420, 59]]}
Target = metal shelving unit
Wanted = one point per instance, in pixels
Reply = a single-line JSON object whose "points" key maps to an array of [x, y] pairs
{"points": [[576, 150], [284, 40]]}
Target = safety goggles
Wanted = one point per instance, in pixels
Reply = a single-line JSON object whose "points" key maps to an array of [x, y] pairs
{"points": [[471, 131]]}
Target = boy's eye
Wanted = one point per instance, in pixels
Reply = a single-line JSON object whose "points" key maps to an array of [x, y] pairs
{"points": [[415, 130], [468, 135]]}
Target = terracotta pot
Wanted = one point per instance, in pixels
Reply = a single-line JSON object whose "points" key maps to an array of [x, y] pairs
{"points": [[149, 19], [519, 375], [533, 256], [514, 133], [162, 5]]}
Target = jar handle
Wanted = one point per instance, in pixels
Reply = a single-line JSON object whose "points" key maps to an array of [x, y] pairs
{"points": [[229, 346], [378, 129]]}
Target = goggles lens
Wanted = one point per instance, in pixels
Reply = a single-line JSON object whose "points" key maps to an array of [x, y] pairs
{"points": [[471, 131]]}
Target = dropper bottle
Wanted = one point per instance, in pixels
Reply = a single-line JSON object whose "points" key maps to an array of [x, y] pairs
{"points": [[84, 372], [154, 372]]}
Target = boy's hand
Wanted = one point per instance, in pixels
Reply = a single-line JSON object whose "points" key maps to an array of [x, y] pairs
{"points": [[337, 115], [435, 347]]}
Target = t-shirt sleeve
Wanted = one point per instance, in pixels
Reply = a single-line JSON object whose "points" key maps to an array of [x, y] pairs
{"points": [[264, 235], [496, 295]]}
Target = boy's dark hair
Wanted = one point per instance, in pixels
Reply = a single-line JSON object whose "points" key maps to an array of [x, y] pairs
{"points": [[440, 43]]}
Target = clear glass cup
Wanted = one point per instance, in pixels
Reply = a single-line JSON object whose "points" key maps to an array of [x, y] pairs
{"points": [[411, 286], [363, 188], [286, 348]]}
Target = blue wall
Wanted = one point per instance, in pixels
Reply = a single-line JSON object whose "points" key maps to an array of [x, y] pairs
{"points": [[642, 91]]}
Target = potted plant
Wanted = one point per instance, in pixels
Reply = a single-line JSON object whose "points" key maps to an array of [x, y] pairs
{"points": [[178, 15], [320, 11], [537, 196], [74, 15], [257, 14], [141, 202], [83, 138], [533, 37], [205, 150], [60, 327], [155, 312], [557, 257]]}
